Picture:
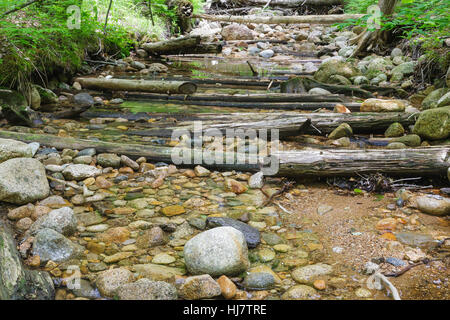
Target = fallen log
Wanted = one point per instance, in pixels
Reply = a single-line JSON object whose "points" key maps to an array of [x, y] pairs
{"points": [[171, 46], [155, 86], [183, 45], [269, 97], [288, 123], [293, 3], [303, 84], [313, 19], [301, 106], [427, 160]]}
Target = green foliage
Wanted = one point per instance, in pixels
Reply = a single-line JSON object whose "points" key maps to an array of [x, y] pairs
{"points": [[424, 21]]}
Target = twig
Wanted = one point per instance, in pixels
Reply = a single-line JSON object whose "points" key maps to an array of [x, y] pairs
{"points": [[388, 284], [282, 208], [255, 73], [399, 273], [286, 186], [20, 7]]}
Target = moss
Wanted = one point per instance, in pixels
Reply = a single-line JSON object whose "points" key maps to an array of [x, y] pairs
{"points": [[433, 124]]}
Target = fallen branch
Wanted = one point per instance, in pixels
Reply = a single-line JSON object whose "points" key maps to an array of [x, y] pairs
{"points": [[20, 7]]}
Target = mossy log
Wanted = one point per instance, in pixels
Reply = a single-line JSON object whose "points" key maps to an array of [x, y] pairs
{"points": [[155, 86], [423, 161]]}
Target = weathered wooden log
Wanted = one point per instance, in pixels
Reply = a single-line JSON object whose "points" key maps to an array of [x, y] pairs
{"points": [[304, 83], [171, 46], [313, 19], [269, 97], [301, 106], [289, 123], [293, 3], [426, 161], [16, 281], [158, 86]]}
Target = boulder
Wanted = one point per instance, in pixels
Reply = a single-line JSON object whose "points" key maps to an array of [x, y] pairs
{"points": [[146, 289], [15, 109], [433, 98], [307, 274], [252, 235], [17, 282], [237, 32], [200, 287], [335, 67], [299, 292], [83, 99], [51, 245], [379, 105], [108, 282], [61, 220], [35, 99], [14, 149], [444, 100], [395, 130], [47, 95], [343, 130], [219, 251], [433, 124], [411, 140], [108, 160], [438, 206], [23, 180]]}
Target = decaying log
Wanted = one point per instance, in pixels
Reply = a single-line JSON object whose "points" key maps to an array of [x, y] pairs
{"points": [[289, 123], [427, 160], [269, 97], [182, 45], [313, 19], [156, 86], [171, 46], [305, 83], [301, 106]]}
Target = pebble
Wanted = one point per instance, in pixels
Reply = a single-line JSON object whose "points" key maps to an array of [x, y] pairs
{"points": [[227, 287]]}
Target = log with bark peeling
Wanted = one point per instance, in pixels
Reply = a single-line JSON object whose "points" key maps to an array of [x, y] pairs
{"points": [[427, 160], [155, 86], [312, 19]]}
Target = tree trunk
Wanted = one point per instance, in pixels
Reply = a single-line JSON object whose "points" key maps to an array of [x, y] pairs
{"points": [[314, 19], [183, 45], [368, 40], [157, 86], [423, 161]]}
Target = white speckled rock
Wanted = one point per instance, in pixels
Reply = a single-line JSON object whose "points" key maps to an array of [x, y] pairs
{"points": [[14, 149], [80, 171], [61, 220], [218, 251], [23, 180], [109, 281], [307, 274]]}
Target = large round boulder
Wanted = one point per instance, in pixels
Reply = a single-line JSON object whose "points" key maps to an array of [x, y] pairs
{"points": [[433, 124], [218, 251], [335, 66], [23, 180], [237, 32]]}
